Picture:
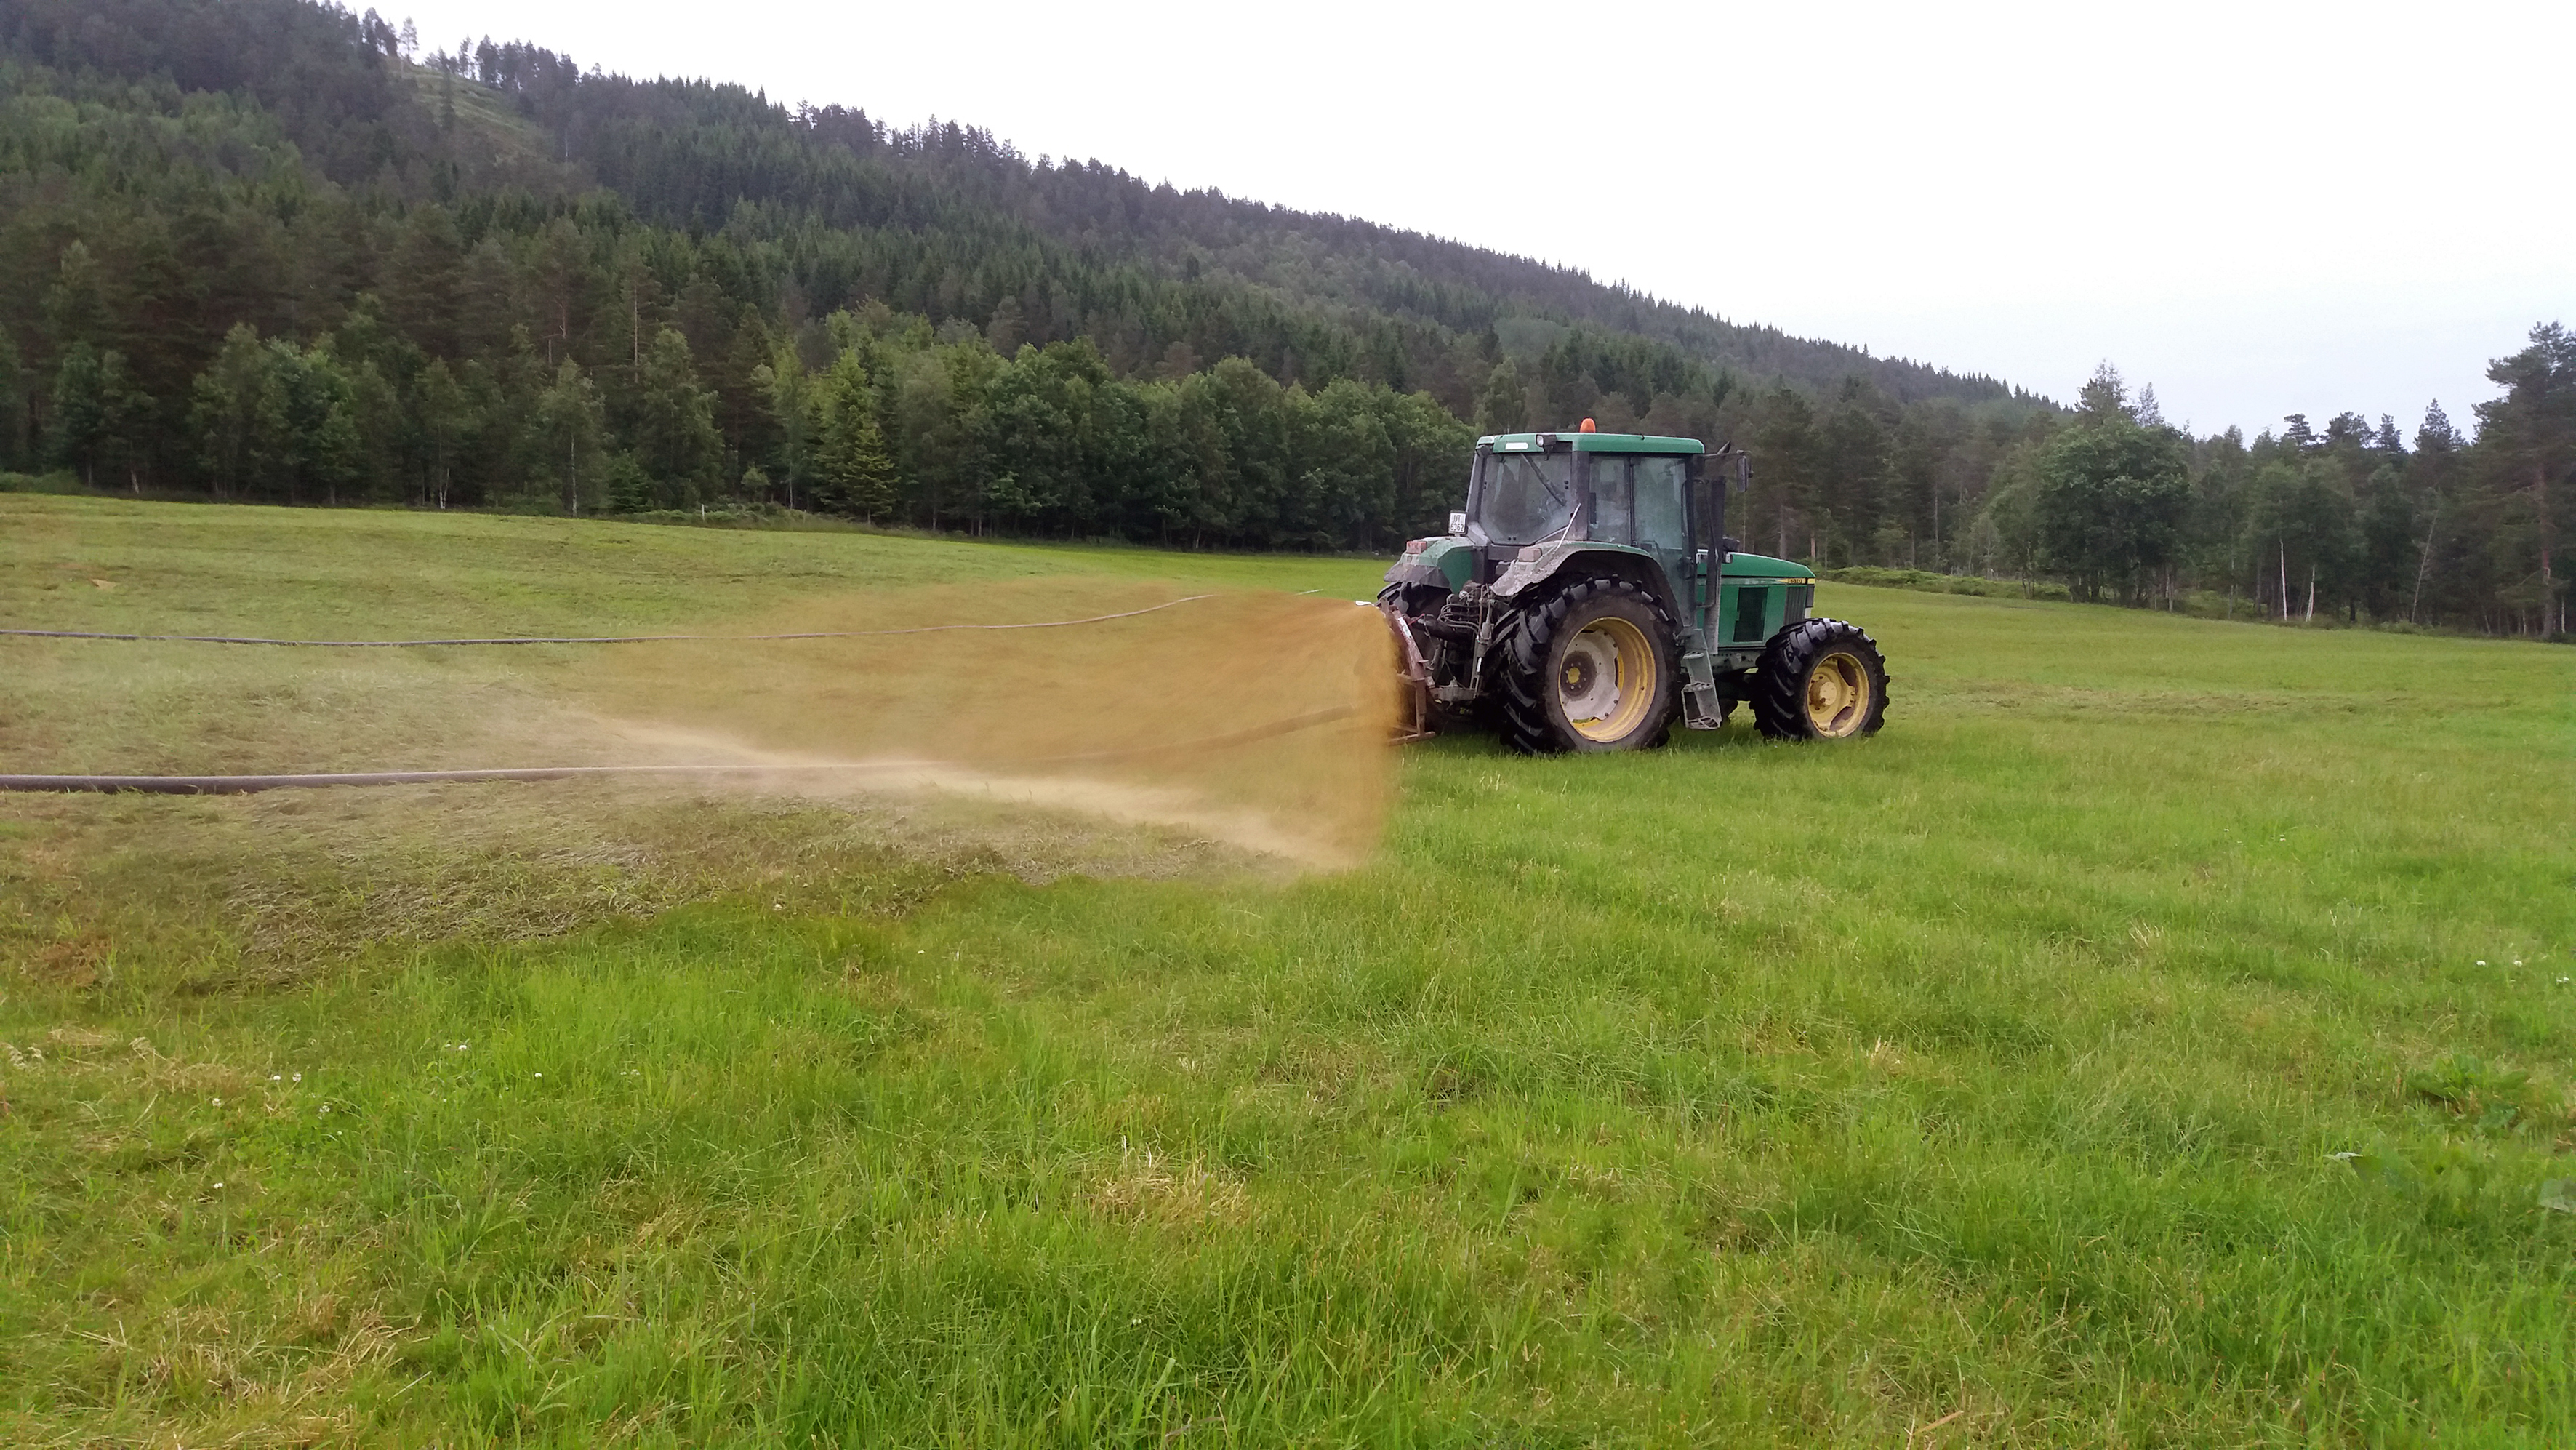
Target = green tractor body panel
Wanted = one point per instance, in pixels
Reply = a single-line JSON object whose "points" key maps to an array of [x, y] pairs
{"points": [[1759, 596], [1741, 565]]}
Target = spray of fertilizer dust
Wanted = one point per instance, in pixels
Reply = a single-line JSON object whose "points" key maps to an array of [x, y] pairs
{"points": [[1258, 720]]}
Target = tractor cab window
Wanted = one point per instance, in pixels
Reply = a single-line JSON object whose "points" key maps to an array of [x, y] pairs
{"points": [[1526, 496], [1609, 499], [1659, 521]]}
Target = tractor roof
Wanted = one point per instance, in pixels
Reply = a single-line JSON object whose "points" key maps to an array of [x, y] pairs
{"points": [[1590, 443]]}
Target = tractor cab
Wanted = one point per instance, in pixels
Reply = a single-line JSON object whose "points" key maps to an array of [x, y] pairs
{"points": [[1621, 489], [1580, 516]]}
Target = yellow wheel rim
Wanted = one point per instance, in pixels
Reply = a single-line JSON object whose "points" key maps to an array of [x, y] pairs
{"points": [[1606, 682], [1838, 695]]}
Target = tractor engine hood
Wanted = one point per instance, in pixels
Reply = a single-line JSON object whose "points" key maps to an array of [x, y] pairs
{"points": [[1762, 566], [1446, 562]]}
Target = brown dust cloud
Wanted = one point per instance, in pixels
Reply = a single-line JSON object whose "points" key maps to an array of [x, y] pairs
{"points": [[1259, 720]]}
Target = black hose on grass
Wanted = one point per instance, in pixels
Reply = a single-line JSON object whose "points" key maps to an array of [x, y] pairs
{"points": [[250, 784], [592, 639], [247, 784]]}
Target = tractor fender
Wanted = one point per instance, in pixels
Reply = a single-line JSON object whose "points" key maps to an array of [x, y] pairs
{"points": [[1542, 562]]}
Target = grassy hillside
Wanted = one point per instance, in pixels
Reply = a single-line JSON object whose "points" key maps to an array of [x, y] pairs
{"points": [[263, 250], [2159, 1036], [514, 121]]}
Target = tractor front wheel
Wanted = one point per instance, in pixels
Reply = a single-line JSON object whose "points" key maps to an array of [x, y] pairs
{"points": [[1591, 668], [1820, 679]]}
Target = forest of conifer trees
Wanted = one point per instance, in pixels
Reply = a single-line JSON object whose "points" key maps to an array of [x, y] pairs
{"points": [[268, 250]]}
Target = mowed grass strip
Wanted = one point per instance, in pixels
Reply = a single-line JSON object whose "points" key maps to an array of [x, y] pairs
{"points": [[2159, 1036]]}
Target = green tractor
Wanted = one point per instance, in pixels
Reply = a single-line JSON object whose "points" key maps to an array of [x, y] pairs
{"points": [[1587, 595]]}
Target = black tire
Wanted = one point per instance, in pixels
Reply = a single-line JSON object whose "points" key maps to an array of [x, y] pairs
{"points": [[1555, 645], [1820, 679]]}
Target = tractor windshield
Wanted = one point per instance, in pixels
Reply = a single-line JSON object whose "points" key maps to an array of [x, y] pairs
{"points": [[1526, 496]]}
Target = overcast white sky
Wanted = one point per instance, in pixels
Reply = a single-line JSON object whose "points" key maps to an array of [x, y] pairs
{"points": [[2258, 208]]}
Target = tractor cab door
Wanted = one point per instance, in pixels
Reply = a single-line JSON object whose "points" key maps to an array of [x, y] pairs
{"points": [[1641, 500], [1707, 494], [1660, 519]]}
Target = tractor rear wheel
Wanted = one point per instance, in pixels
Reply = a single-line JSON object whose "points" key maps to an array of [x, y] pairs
{"points": [[1820, 680], [1591, 668]]}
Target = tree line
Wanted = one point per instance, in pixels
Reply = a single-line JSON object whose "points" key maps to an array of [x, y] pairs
{"points": [[2355, 521], [186, 307], [835, 207], [889, 422], [557, 367]]}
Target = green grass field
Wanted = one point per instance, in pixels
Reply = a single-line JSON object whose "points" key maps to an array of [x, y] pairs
{"points": [[2160, 1035]]}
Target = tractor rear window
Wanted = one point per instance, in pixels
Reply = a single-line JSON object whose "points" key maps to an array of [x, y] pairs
{"points": [[1638, 500], [1526, 496], [1609, 500]]}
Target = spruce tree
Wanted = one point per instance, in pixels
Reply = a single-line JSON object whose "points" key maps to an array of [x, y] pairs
{"points": [[1503, 407], [675, 427], [2529, 439], [75, 309], [238, 413], [853, 474], [79, 421]]}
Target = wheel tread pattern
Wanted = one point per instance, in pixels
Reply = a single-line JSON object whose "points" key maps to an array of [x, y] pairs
{"points": [[1780, 682], [1526, 724]]}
